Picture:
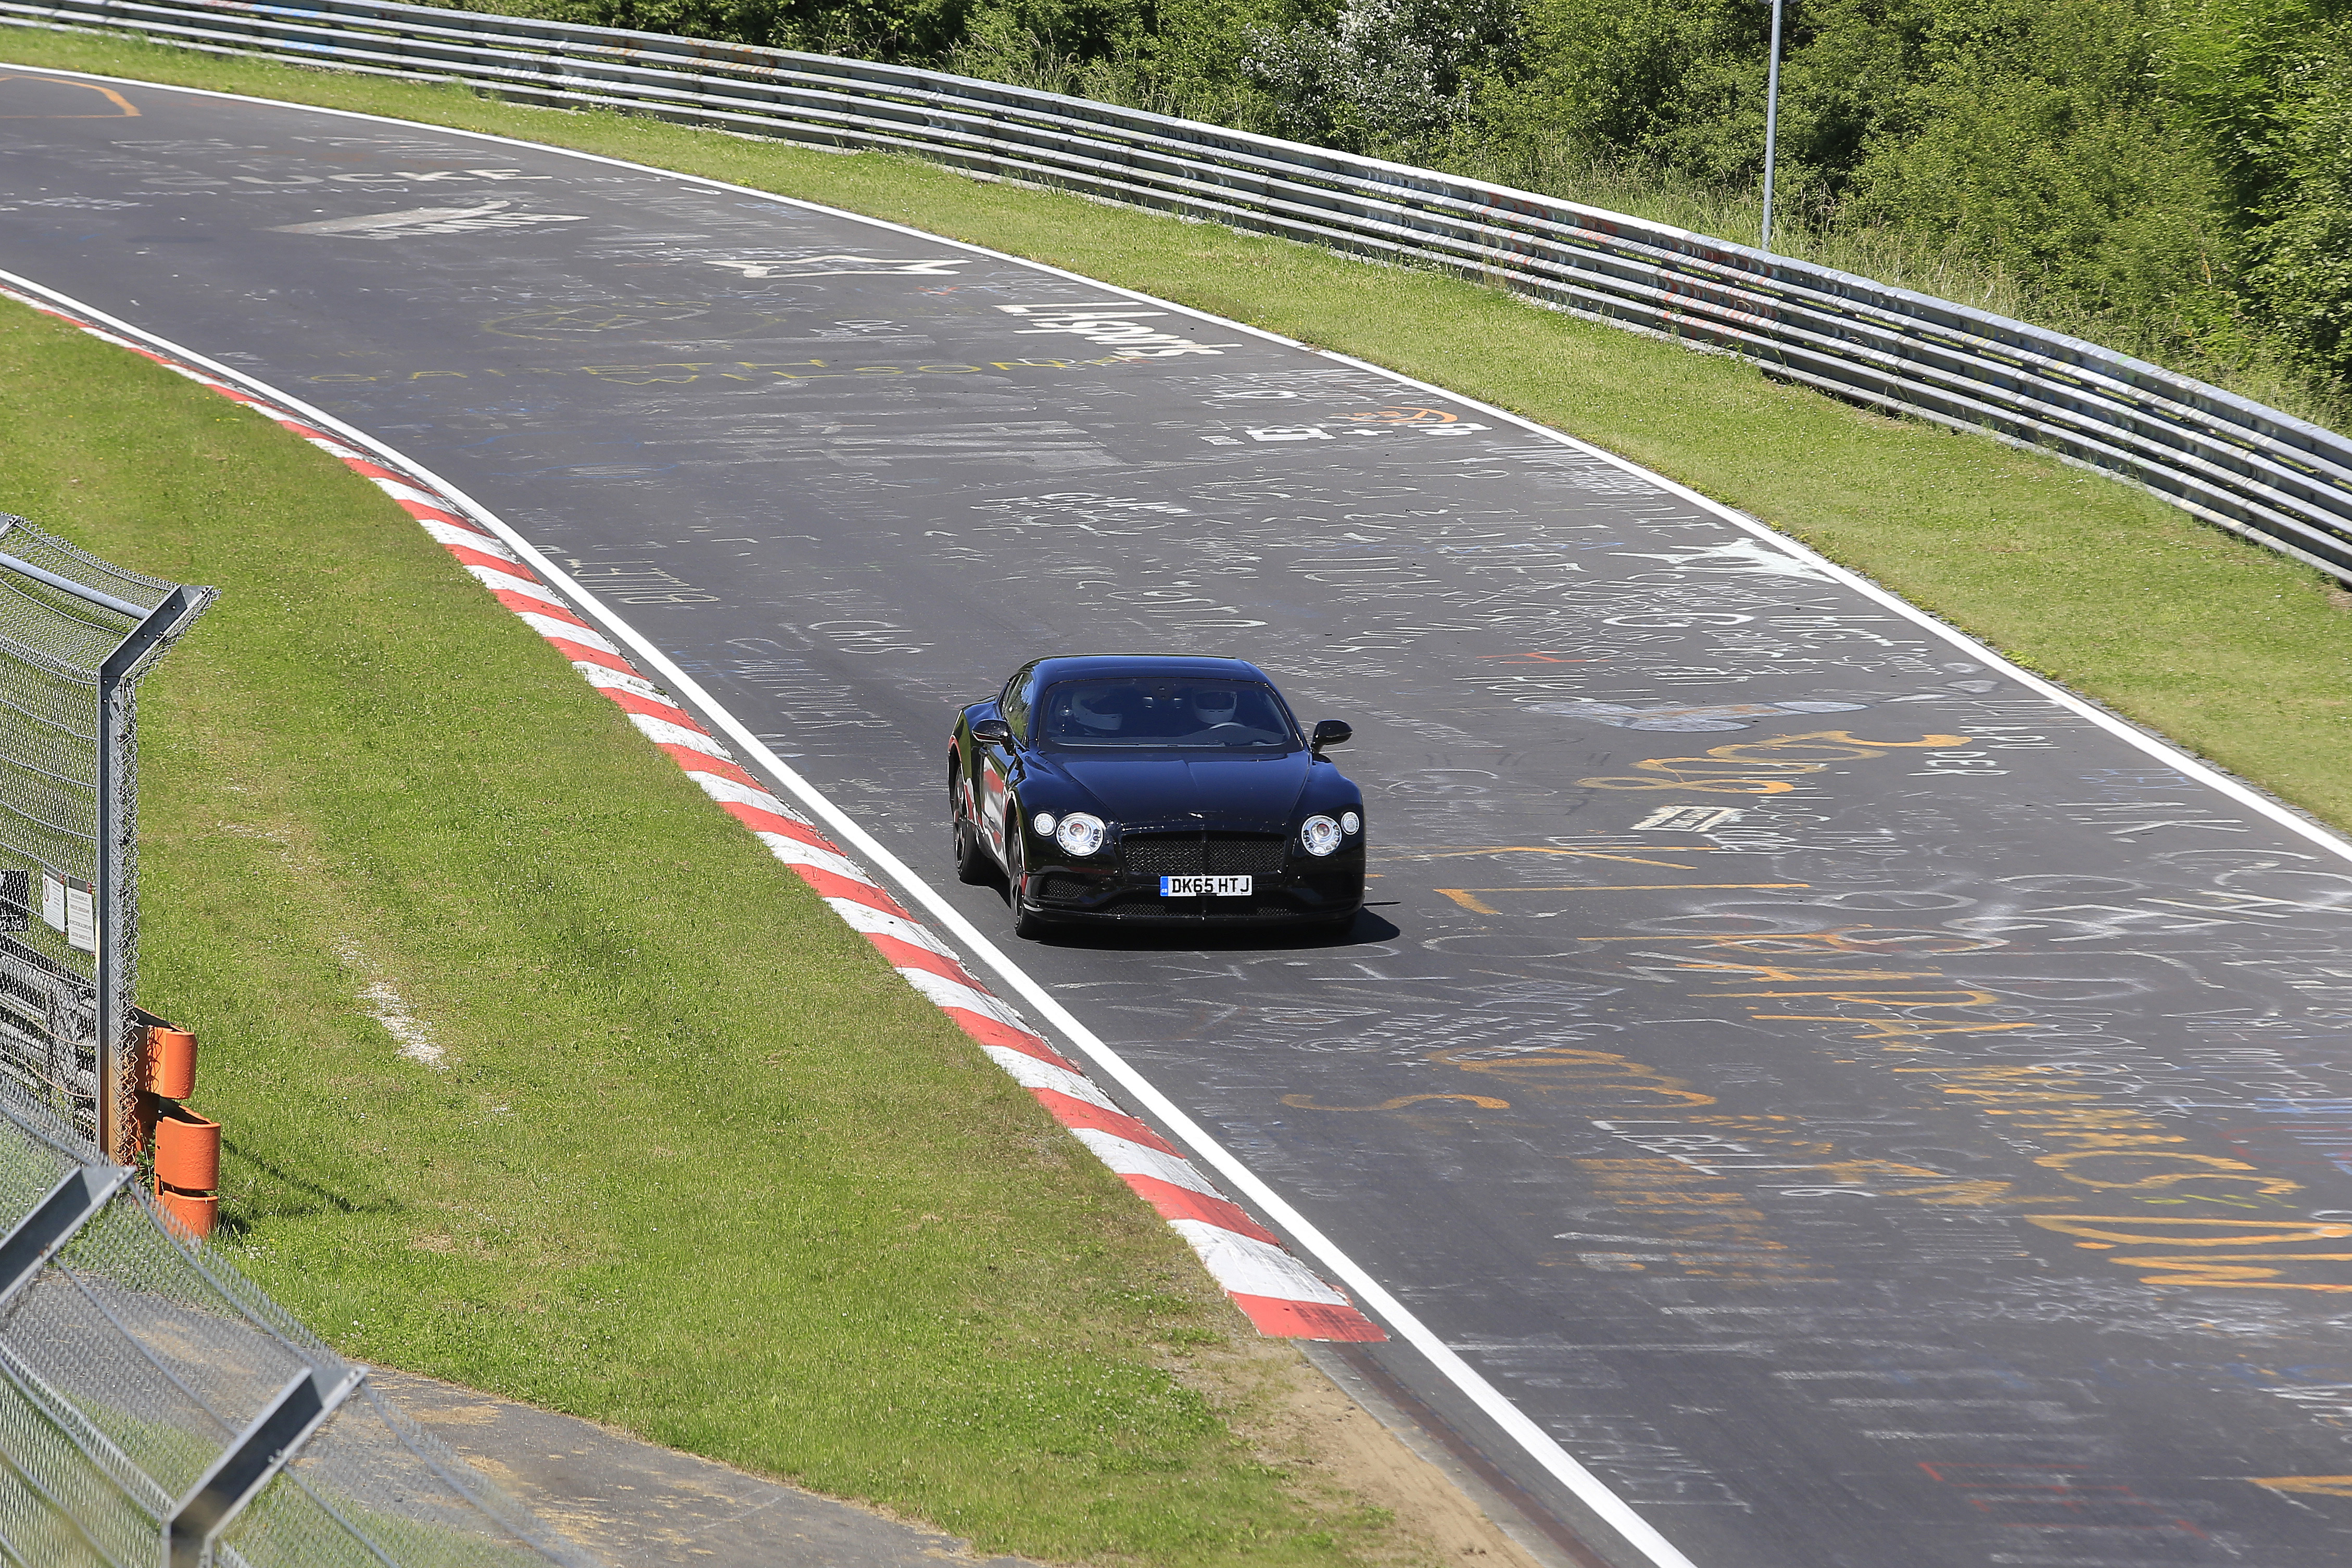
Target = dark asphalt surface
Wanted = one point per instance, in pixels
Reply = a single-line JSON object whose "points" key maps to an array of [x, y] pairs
{"points": [[634, 1504], [1869, 1113]]}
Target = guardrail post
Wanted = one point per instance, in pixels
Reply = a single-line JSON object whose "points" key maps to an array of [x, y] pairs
{"points": [[1771, 125], [260, 1451], [77, 1198]]}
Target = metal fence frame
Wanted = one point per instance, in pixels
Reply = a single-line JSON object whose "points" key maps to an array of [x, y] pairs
{"points": [[75, 624], [117, 857], [2259, 472], [158, 1411]]}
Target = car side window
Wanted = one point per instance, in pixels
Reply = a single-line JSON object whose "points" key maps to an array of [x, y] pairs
{"points": [[1015, 703]]}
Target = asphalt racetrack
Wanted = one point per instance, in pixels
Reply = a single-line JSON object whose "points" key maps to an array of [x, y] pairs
{"points": [[1869, 1112]]}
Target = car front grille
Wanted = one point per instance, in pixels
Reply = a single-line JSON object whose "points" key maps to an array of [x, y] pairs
{"points": [[1197, 855], [1151, 906]]}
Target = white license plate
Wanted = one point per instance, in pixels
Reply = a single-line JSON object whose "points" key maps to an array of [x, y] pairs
{"points": [[1204, 886]]}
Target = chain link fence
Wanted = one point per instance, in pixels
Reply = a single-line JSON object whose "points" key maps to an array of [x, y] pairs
{"points": [[76, 635], [155, 1407]]}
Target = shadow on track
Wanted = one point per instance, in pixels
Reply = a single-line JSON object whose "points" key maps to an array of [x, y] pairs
{"points": [[1175, 936]]}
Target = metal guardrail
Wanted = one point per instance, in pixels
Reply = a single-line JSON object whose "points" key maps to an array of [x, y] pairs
{"points": [[2255, 470]]}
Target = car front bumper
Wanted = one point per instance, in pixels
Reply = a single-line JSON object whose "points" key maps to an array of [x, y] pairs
{"points": [[1112, 891]]}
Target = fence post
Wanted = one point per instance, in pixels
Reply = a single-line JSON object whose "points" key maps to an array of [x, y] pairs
{"points": [[60, 641], [80, 1193], [260, 1451], [116, 893]]}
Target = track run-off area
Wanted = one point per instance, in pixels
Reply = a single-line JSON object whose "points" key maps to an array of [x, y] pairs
{"points": [[1864, 1105]]}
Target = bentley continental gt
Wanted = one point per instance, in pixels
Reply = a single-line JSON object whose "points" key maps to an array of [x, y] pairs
{"points": [[1124, 787]]}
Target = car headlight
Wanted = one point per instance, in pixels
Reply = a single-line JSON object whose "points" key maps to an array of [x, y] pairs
{"points": [[1079, 832], [1042, 822], [1350, 823], [1319, 835]]}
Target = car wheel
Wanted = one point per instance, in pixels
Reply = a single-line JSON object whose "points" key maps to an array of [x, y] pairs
{"points": [[972, 862], [1027, 923]]}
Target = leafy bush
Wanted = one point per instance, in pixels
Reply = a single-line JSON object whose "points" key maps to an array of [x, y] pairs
{"points": [[1381, 74], [2032, 130], [2269, 85]]}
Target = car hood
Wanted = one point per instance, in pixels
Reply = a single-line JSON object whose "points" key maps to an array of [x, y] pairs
{"points": [[1251, 792]]}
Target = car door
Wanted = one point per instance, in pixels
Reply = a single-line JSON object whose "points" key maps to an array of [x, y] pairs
{"points": [[998, 770]]}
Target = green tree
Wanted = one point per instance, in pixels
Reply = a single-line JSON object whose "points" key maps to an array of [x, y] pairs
{"points": [[2035, 131], [2268, 85]]}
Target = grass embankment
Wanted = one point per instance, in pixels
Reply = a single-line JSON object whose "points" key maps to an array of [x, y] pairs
{"points": [[2225, 647], [697, 1164]]}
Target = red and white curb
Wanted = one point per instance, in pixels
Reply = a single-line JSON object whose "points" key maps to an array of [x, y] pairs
{"points": [[1282, 1296]]}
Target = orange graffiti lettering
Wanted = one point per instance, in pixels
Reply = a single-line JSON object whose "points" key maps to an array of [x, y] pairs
{"points": [[2144, 1230], [1483, 1102], [1597, 1074]]}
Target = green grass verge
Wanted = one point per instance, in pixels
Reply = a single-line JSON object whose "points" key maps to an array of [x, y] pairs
{"points": [[2226, 648], [699, 1164]]}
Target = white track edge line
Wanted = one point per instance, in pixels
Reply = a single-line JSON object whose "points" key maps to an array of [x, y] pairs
{"points": [[2161, 750], [1539, 1445], [959, 991], [2154, 746], [2165, 751]]}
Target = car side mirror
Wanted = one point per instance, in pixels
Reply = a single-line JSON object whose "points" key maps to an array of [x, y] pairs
{"points": [[1329, 732], [995, 731]]}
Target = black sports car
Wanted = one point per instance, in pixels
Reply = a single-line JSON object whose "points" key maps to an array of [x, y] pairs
{"points": [[1143, 787]]}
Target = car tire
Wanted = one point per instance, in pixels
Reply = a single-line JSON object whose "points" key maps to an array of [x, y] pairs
{"points": [[1027, 923], [972, 862]]}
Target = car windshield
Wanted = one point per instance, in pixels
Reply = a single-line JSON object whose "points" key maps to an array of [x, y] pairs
{"points": [[1188, 714]]}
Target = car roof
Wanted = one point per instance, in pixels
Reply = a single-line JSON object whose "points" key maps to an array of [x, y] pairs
{"points": [[1096, 666]]}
